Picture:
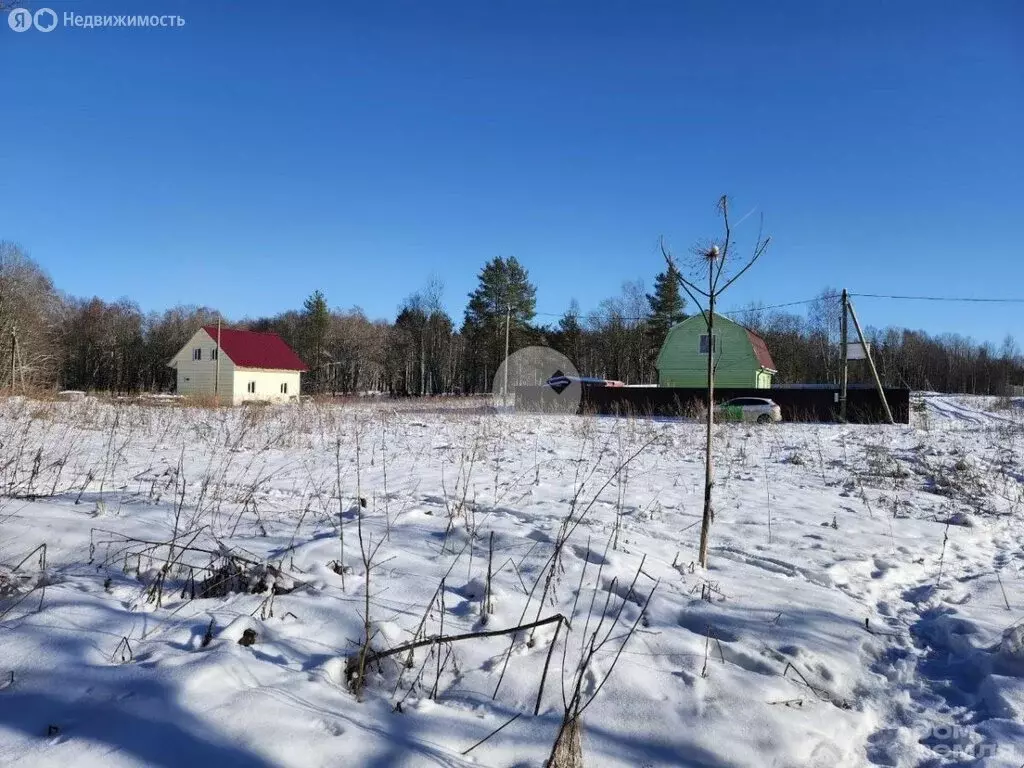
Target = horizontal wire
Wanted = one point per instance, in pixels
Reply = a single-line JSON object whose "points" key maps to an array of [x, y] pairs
{"points": [[938, 298], [756, 308]]}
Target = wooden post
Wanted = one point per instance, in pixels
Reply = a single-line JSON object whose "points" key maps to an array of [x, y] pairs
{"points": [[871, 362], [508, 323], [216, 384], [843, 326]]}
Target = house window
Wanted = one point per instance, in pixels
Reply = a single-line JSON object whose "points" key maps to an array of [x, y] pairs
{"points": [[252, 387], [197, 353], [704, 344], [213, 353], [284, 388]]}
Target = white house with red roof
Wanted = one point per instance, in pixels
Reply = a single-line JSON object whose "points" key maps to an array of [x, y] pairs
{"points": [[243, 366]]}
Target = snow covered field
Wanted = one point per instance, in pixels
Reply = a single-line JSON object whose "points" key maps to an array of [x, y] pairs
{"points": [[864, 604]]}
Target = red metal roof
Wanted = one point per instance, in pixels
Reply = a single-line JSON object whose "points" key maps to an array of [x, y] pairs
{"points": [[249, 349], [764, 357]]}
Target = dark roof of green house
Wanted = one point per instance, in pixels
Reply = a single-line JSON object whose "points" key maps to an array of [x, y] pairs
{"points": [[764, 357]]}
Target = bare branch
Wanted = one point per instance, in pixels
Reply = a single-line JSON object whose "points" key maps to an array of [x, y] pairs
{"points": [[723, 206], [439, 639], [758, 250], [682, 280], [689, 287]]}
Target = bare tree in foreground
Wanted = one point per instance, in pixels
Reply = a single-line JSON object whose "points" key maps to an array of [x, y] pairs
{"points": [[714, 259]]}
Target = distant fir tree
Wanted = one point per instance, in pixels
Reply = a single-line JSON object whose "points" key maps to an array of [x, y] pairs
{"points": [[503, 284], [668, 307], [569, 335], [316, 321]]}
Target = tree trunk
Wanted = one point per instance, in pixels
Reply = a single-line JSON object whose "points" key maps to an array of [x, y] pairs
{"points": [[568, 750], [709, 470]]}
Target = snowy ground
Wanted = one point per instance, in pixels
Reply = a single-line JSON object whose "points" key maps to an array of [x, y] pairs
{"points": [[864, 603]]}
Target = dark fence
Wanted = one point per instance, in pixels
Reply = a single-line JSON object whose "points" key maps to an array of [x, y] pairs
{"points": [[863, 405]]}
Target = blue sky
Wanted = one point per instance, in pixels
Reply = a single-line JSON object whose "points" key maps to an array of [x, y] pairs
{"points": [[265, 150]]}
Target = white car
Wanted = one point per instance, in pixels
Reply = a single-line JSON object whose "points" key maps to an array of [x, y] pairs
{"points": [[757, 409]]}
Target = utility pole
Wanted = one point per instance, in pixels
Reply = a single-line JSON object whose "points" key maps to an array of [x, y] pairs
{"points": [[508, 322], [871, 362], [216, 385], [846, 361], [14, 354]]}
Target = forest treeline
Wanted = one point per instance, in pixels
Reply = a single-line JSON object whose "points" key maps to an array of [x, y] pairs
{"points": [[52, 340]]}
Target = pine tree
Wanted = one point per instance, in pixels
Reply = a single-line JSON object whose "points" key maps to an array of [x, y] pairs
{"points": [[504, 287], [316, 319], [570, 335], [667, 307]]}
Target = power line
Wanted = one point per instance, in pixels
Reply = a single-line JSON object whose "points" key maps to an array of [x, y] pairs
{"points": [[758, 308], [738, 310], [939, 298], [583, 314]]}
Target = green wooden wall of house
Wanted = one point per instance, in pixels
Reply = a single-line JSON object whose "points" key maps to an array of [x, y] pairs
{"points": [[741, 356]]}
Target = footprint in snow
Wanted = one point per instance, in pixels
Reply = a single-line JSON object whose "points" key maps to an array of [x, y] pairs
{"points": [[332, 727], [592, 557], [704, 626]]}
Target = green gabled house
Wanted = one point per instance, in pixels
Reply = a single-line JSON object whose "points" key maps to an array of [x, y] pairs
{"points": [[742, 359]]}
